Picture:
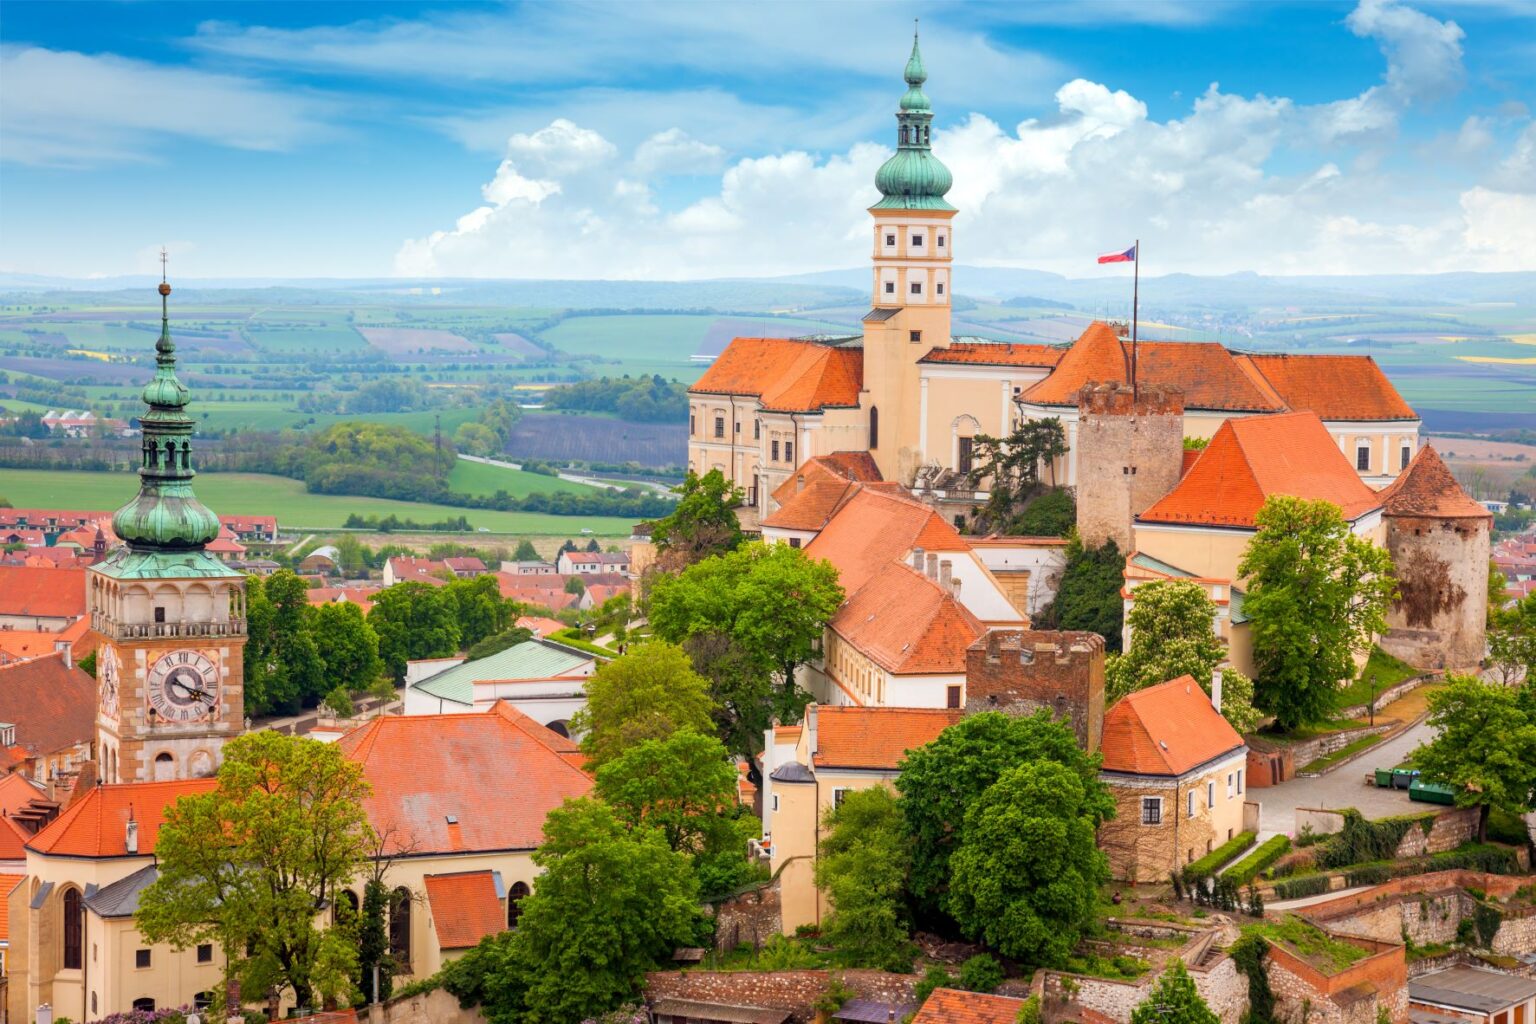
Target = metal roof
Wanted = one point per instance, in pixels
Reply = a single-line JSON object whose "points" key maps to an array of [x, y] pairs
{"points": [[121, 898], [694, 1010], [1472, 988], [531, 659]]}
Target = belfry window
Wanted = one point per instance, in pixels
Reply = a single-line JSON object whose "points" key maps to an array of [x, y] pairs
{"points": [[874, 427], [890, 287]]}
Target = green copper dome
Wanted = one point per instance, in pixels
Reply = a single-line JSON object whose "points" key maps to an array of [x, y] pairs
{"points": [[165, 517], [914, 179]]}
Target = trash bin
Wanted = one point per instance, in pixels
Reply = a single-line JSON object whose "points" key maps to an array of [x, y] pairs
{"points": [[1432, 793], [1402, 778], [1384, 778]]}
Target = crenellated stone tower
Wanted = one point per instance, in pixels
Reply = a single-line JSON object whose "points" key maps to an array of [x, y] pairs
{"points": [[170, 670], [1130, 452]]}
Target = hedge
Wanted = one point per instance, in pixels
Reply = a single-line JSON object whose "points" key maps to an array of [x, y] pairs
{"points": [[1312, 885], [1249, 867], [1215, 860]]}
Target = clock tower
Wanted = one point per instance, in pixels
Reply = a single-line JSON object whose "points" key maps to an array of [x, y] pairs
{"points": [[169, 670]]}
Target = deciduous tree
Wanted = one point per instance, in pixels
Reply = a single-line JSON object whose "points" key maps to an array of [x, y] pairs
{"points": [[1485, 746], [1512, 641], [1174, 1000], [1011, 466], [703, 523], [1088, 596], [413, 620], [350, 646], [648, 694], [862, 868]]}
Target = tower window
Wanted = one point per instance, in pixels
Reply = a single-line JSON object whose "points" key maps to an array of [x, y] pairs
{"points": [[159, 613], [939, 288], [1407, 457], [1363, 457], [917, 240], [890, 287], [890, 239], [917, 287], [915, 336], [874, 427], [939, 242], [757, 430], [73, 945]]}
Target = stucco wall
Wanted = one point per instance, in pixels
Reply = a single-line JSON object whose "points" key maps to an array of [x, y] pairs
{"points": [[435, 1007]]}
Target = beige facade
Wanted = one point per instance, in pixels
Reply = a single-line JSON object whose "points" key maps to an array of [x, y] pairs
{"points": [[845, 675], [1162, 823], [958, 402]]}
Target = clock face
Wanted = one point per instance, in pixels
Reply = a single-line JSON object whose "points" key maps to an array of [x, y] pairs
{"points": [[184, 687], [110, 673]]}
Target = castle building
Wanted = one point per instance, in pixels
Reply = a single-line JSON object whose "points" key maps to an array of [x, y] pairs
{"points": [[172, 616]]}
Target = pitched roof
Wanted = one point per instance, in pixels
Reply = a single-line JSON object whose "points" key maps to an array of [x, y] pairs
{"points": [[875, 527], [427, 769], [1165, 729], [818, 488], [1253, 457], [531, 659], [1336, 387], [907, 623], [854, 737], [121, 898], [7, 884], [952, 1006], [49, 592], [982, 353], [539, 625], [854, 465], [786, 375], [96, 825], [597, 557], [465, 908], [1427, 488], [52, 705]]}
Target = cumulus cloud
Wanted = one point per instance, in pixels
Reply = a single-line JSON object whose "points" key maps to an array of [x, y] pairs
{"points": [[674, 151], [75, 109]]}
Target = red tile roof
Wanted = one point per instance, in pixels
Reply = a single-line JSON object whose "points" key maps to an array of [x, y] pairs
{"points": [[1427, 488], [874, 528], [854, 465], [426, 769], [819, 488], [1253, 457], [907, 624], [96, 825], [540, 625], [7, 884], [50, 592], [1165, 730], [1336, 387], [952, 1006], [360, 596], [465, 908], [877, 738], [786, 375], [995, 354], [52, 705]]}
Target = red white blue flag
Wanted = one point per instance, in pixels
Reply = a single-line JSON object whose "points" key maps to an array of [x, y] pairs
{"points": [[1128, 256]]}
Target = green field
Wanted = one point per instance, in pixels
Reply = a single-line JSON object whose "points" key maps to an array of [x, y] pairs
{"points": [[296, 509], [478, 478]]}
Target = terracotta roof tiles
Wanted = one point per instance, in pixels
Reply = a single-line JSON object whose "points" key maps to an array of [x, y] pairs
{"points": [[996, 354], [1165, 730], [952, 1006], [907, 623], [465, 908], [52, 705], [1336, 387], [96, 825], [1427, 488], [875, 527], [878, 737], [46, 592], [786, 375]]}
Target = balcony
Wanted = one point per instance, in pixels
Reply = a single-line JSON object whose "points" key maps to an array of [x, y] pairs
{"points": [[166, 630]]}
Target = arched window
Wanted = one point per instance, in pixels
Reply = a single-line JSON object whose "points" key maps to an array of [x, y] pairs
{"points": [[515, 897], [144, 1004], [165, 767], [400, 924], [74, 923], [874, 427], [345, 908], [203, 1001]]}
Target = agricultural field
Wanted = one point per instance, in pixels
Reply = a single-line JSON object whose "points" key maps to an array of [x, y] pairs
{"points": [[482, 479], [295, 508], [598, 439]]}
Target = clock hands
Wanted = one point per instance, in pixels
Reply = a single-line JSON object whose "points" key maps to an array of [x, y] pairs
{"points": [[201, 695]]}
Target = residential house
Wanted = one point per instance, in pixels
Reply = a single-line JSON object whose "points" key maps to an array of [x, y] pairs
{"points": [[529, 568], [408, 568], [587, 563], [544, 680], [42, 599], [252, 529], [362, 595], [465, 567], [47, 719]]}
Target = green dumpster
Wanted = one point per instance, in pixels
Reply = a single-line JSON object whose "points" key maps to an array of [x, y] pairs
{"points": [[1432, 792], [1383, 778], [1403, 778]]}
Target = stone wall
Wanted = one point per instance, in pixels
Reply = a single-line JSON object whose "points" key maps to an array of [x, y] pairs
{"points": [[1451, 829], [1018, 671], [1352, 996], [749, 918], [1439, 619], [435, 1007], [1387, 696], [793, 991], [1306, 752], [1220, 984], [1517, 933], [1130, 453]]}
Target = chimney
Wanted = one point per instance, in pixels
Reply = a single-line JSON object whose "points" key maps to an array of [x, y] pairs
{"points": [[954, 586], [131, 835], [933, 566], [799, 482], [917, 559], [810, 729], [1216, 689], [946, 567]]}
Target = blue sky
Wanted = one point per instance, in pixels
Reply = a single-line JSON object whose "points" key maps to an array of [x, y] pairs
{"points": [[684, 140]]}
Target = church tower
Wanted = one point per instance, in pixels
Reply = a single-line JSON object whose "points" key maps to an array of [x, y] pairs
{"points": [[913, 248], [170, 671]]}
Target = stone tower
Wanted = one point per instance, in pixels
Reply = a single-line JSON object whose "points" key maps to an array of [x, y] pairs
{"points": [[1020, 671], [1439, 541], [909, 312], [170, 670], [1130, 452]]}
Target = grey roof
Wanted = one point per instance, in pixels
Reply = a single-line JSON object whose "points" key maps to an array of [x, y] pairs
{"points": [[121, 898], [1234, 602], [873, 1011], [792, 771], [880, 314], [694, 1010], [1471, 988], [532, 659]]}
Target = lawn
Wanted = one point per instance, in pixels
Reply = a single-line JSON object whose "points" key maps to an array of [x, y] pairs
{"points": [[1348, 750], [1381, 672], [1310, 943], [479, 478], [295, 508]]}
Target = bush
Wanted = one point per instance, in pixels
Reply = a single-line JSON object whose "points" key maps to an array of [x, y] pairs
{"points": [[1371, 875], [1213, 862], [1361, 841], [1249, 867], [1312, 885], [981, 973], [936, 977], [1029, 1013]]}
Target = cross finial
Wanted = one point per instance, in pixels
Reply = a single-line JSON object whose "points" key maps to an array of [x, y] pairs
{"points": [[163, 257]]}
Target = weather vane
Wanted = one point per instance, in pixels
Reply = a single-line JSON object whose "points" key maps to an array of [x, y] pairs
{"points": [[163, 257]]}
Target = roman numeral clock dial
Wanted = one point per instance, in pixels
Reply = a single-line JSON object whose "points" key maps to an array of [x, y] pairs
{"points": [[184, 687]]}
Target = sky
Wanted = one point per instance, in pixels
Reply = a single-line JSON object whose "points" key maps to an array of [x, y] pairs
{"points": [[674, 141]]}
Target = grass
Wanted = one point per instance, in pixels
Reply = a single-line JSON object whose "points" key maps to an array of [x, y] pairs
{"points": [[479, 478], [1348, 750], [1120, 967], [1311, 943], [1381, 672], [1303, 733], [295, 508]]}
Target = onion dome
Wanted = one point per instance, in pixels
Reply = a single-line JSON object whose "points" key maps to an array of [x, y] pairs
{"points": [[914, 179]]}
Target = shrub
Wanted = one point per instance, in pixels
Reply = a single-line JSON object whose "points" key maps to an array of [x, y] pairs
{"points": [[1029, 1013], [1374, 874], [936, 977], [1312, 885], [1247, 869], [1217, 858], [981, 973]]}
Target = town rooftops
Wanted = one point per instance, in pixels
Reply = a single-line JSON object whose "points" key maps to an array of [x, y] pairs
{"points": [[877, 737], [96, 825], [532, 659], [45, 593], [1165, 730], [597, 557], [433, 792], [814, 493], [466, 907], [786, 375], [952, 1006], [876, 527], [999, 353], [1472, 989], [907, 623], [51, 704], [1427, 488], [1253, 457], [1336, 387]]}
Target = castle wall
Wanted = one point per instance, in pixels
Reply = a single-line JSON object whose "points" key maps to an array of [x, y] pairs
{"points": [[1439, 620], [1019, 671], [1130, 451]]}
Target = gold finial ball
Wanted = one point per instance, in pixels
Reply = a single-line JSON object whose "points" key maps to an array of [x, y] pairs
{"points": [[165, 289]]}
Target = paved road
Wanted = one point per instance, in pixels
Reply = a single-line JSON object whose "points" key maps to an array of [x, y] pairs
{"points": [[1344, 787]]}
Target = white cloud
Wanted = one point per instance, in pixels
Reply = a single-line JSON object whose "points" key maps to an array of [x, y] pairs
{"points": [[74, 109], [1423, 63], [674, 151]]}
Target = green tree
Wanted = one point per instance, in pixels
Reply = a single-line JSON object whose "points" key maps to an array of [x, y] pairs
{"points": [[1512, 641], [498, 643], [1088, 596], [476, 439], [1052, 514], [351, 555], [1011, 467], [351, 646], [284, 669], [1172, 634], [1317, 596], [373, 941], [743, 693], [1026, 874], [862, 868], [941, 781], [479, 608], [703, 523], [1174, 1000], [1498, 591], [648, 694], [1485, 746], [413, 620], [250, 861], [526, 552]]}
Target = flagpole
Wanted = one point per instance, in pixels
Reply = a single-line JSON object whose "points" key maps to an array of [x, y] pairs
{"points": [[1135, 313]]}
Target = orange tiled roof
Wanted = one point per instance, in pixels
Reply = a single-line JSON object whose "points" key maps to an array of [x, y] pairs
{"points": [[997, 353], [52, 705], [1427, 488], [1190, 456], [7, 883], [952, 1006], [786, 375], [875, 527], [1165, 729], [1253, 457], [907, 624], [96, 825], [1336, 387], [878, 738], [50, 592], [465, 908], [540, 625], [1205, 371], [853, 465], [818, 489], [425, 769]]}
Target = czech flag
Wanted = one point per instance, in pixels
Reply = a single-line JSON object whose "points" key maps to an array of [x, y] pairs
{"points": [[1128, 256]]}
